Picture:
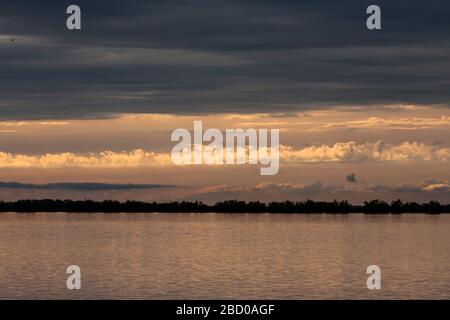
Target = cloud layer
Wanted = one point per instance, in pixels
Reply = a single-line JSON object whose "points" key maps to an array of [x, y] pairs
{"points": [[431, 189], [339, 152], [198, 56], [106, 159], [404, 123], [377, 151], [274, 191], [80, 186]]}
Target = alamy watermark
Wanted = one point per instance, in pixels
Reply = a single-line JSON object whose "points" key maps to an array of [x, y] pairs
{"points": [[73, 21], [374, 280], [236, 146], [74, 280], [373, 21]]}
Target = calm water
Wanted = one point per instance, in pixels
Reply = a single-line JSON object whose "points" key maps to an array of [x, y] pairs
{"points": [[212, 256]]}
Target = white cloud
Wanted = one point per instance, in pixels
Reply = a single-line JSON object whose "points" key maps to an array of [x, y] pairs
{"points": [[339, 152], [106, 159], [377, 151]]}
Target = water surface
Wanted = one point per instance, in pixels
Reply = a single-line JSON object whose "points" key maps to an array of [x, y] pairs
{"points": [[223, 256]]}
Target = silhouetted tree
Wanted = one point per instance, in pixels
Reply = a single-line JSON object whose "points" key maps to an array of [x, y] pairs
{"points": [[229, 206]]}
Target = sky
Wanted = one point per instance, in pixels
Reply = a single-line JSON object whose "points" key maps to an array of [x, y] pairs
{"points": [[89, 113]]}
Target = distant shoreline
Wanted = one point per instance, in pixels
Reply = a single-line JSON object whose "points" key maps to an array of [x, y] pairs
{"points": [[229, 206]]}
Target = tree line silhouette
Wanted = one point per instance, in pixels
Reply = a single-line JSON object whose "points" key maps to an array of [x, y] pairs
{"points": [[229, 206]]}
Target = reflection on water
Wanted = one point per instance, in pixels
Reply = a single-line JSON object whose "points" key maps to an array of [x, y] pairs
{"points": [[215, 256]]}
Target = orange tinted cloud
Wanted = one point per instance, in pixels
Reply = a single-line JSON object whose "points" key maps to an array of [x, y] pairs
{"points": [[377, 151], [339, 152]]}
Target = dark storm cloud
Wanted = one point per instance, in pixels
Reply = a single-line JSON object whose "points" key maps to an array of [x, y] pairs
{"points": [[209, 56], [81, 186]]}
